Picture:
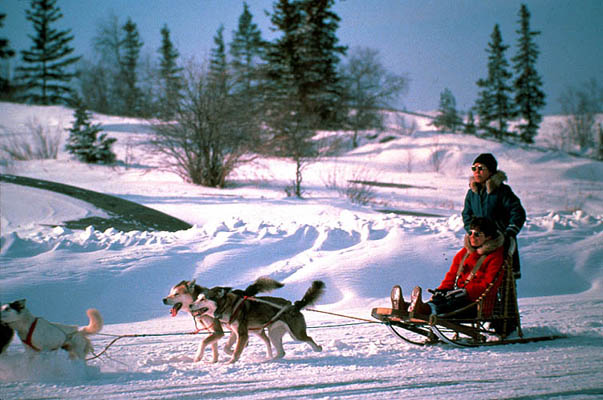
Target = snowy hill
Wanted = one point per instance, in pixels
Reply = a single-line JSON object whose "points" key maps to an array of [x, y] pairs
{"points": [[252, 229]]}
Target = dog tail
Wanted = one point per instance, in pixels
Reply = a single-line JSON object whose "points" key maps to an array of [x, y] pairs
{"points": [[312, 295], [96, 322], [262, 285]]}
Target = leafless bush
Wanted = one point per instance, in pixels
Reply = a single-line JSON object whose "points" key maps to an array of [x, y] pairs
{"points": [[355, 187], [37, 143], [209, 135], [437, 155], [403, 127], [581, 106]]}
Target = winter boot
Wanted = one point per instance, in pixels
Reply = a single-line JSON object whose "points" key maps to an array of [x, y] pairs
{"points": [[398, 303], [417, 307]]}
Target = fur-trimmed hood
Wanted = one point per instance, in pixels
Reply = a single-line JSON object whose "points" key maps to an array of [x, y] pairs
{"points": [[488, 247], [491, 184]]}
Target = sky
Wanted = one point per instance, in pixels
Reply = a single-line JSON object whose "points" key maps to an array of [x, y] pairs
{"points": [[435, 44]]}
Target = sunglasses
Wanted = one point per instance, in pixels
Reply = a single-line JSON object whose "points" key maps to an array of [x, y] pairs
{"points": [[478, 168], [473, 232]]}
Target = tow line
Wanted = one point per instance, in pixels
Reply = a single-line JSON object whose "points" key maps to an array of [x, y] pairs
{"points": [[363, 321]]}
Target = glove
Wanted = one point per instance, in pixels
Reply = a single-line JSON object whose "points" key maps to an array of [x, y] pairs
{"points": [[455, 294], [438, 294], [509, 244]]}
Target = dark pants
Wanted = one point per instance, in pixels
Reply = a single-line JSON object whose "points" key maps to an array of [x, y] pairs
{"points": [[444, 305]]}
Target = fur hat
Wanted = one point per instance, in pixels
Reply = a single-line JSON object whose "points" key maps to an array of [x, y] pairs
{"points": [[488, 160]]}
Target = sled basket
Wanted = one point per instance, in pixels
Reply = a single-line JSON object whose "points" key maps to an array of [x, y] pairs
{"points": [[488, 320]]}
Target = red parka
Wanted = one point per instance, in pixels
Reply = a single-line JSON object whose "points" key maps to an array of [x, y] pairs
{"points": [[493, 251]]}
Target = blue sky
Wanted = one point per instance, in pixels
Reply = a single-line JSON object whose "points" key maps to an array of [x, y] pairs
{"points": [[436, 44]]}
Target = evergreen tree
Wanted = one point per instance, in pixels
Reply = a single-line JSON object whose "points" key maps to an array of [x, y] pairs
{"points": [[493, 104], [470, 127], [83, 141], [5, 50], [246, 53], [246, 50], [129, 91], [529, 96], [320, 85], [308, 52], [5, 53], [448, 117], [170, 76], [44, 75], [218, 67]]}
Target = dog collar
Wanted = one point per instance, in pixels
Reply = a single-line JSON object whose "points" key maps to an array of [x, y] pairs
{"points": [[27, 340]]}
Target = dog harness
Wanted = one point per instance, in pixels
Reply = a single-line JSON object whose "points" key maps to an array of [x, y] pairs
{"points": [[27, 340], [272, 320]]}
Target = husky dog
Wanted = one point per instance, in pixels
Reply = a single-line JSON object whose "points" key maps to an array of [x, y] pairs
{"points": [[243, 314], [37, 334], [183, 294]]}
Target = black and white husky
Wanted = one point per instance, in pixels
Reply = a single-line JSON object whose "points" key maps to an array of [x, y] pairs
{"points": [[243, 314], [40, 335], [183, 294]]}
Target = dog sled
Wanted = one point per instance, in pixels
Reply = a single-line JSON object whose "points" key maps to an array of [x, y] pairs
{"points": [[489, 324]]}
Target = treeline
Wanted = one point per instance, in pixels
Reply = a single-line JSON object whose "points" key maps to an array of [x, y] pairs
{"points": [[250, 96], [510, 99]]}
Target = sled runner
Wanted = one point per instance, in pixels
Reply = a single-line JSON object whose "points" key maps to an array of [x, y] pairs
{"points": [[488, 324]]}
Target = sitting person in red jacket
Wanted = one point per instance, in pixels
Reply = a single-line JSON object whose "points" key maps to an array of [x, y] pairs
{"points": [[473, 268]]}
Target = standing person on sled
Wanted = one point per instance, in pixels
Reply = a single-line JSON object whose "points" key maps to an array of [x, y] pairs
{"points": [[489, 197], [473, 268]]}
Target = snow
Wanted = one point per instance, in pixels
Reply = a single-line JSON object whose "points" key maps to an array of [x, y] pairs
{"points": [[252, 229]]}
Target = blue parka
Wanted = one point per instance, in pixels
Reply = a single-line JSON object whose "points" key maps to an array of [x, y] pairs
{"points": [[495, 200]]}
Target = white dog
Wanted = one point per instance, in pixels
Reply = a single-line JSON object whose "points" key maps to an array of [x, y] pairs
{"points": [[38, 335]]}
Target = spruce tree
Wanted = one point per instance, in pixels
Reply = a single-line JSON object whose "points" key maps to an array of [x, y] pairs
{"points": [[529, 96], [246, 50], [5, 50], [320, 84], [448, 117], [308, 50], [44, 75], [218, 67], [170, 76], [5, 53], [494, 103], [246, 54], [84, 142], [470, 127], [130, 92]]}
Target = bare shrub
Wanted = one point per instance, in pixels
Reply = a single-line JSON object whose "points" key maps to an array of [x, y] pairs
{"points": [[581, 106], [437, 155], [37, 143], [403, 127], [209, 135], [356, 186]]}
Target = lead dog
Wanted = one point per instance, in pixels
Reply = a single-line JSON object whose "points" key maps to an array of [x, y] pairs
{"points": [[243, 314], [183, 294], [37, 334]]}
